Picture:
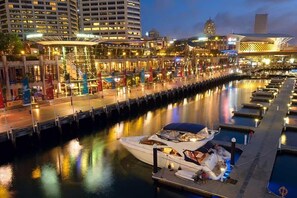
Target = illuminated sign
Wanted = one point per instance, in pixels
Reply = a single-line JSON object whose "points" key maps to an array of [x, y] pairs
{"points": [[231, 41], [87, 36], [34, 36], [203, 39]]}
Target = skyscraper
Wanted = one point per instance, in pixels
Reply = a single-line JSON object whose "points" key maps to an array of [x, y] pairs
{"points": [[209, 28], [260, 24], [49, 17], [112, 19]]}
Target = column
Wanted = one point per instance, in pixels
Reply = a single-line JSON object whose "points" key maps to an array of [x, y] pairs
{"points": [[42, 73], [25, 64], [4, 61]]}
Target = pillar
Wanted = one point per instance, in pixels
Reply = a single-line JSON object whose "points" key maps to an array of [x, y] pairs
{"points": [[42, 73], [4, 61]]}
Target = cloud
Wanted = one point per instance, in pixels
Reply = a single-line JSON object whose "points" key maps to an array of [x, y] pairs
{"points": [[228, 23]]}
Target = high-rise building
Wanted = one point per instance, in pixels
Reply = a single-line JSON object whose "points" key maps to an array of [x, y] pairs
{"points": [[260, 26], [49, 17], [111, 19], [209, 28]]}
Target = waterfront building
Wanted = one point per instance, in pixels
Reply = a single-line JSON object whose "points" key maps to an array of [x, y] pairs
{"points": [[49, 17], [205, 52], [66, 61], [262, 49], [113, 20], [154, 34], [261, 25]]}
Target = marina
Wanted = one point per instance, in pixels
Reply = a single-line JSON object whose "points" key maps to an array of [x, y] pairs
{"points": [[249, 131], [252, 171], [101, 146]]}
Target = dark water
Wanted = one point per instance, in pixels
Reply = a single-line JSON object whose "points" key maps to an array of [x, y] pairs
{"points": [[227, 134], [98, 166], [284, 175], [289, 138]]}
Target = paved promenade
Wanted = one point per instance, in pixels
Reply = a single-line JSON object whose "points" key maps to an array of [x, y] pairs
{"points": [[21, 117]]}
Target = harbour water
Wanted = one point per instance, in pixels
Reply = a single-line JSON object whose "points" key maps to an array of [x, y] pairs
{"points": [[98, 166]]}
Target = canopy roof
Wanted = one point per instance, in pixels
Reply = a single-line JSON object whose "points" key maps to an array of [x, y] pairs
{"points": [[186, 127]]}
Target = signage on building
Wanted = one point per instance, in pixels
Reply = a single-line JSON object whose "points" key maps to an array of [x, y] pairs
{"points": [[50, 88], [87, 36], [142, 76], [14, 103], [203, 39], [34, 36], [125, 78], [231, 41], [1, 99], [100, 88], [26, 92], [85, 89]]}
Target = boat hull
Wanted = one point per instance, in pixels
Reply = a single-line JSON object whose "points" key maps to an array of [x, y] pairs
{"points": [[144, 153]]}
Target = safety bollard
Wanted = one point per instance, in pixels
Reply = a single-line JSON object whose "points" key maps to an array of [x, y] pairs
{"points": [[155, 158], [245, 139], [233, 142]]}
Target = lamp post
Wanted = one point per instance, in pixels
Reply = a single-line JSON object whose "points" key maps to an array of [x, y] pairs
{"points": [[117, 79], [71, 97], [125, 68]]}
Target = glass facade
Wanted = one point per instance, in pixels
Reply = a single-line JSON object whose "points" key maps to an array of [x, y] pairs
{"points": [[113, 20], [49, 17]]}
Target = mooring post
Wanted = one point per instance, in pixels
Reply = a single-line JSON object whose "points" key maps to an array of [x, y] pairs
{"points": [[245, 139], [256, 122], [233, 142], [92, 114], [155, 158]]}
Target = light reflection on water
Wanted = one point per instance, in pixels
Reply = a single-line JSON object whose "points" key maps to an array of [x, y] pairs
{"points": [[98, 166]]}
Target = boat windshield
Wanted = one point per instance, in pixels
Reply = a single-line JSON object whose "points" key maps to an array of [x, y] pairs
{"points": [[182, 136]]}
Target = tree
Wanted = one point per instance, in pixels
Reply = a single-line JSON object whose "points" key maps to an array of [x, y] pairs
{"points": [[10, 44]]}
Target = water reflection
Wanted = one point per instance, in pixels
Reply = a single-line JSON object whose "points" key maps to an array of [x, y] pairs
{"points": [[49, 181], [98, 166]]}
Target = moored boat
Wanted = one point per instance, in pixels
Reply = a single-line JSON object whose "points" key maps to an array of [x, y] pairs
{"points": [[185, 146]]}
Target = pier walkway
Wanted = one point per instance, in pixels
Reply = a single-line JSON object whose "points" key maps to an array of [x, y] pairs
{"points": [[252, 171], [21, 117]]}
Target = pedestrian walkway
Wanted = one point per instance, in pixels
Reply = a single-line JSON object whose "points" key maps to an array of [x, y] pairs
{"points": [[26, 116]]}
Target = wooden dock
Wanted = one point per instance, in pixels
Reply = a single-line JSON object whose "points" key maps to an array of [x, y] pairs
{"points": [[261, 99], [247, 114], [252, 106], [290, 127], [253, 169], [237, 127]]}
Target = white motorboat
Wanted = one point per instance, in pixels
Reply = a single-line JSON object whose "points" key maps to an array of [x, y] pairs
{"points": [[185, 146]]}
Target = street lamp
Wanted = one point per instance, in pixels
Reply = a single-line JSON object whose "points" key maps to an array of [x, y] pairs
{"points": [[71, 99], [117, 79], [125, 71]]}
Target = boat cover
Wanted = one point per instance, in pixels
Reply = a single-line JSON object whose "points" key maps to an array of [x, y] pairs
{"points": [[187, 127]]}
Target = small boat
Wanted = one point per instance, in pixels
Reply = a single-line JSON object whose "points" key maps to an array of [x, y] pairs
{"points": [[185, 146]]}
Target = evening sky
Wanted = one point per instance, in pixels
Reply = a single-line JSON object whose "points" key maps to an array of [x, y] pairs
{"points": [[186, 18]]}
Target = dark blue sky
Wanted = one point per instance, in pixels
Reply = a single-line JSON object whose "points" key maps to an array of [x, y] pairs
{"points": [[185, 18]]}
